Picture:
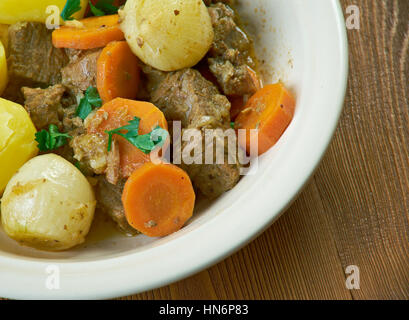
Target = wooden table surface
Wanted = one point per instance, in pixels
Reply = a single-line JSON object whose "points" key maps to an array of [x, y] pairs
{"points": [[355, 210]]}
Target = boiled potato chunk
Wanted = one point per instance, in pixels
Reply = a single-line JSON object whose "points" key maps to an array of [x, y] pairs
{"points": [[168, 35], [48, 204], [3, 68], [12, 11], [17, 140]]}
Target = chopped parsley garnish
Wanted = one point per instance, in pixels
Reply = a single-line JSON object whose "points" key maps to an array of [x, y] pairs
{"points": [[51, 139], [146, 143], [103, 7], [232, 124], [88, 102], [95, 11], [71, 7], [77, 164]]}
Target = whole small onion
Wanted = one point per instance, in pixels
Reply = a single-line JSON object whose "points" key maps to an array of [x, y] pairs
{"points": [[169, 34], [48, 204]]}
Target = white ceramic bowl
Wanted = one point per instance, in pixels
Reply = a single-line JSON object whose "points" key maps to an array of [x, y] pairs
{"points": [[302, 43]]}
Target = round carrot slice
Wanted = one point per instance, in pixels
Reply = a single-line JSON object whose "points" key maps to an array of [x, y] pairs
{"points": [[117, 113], [93, 32], [118, 72], [158, 199], [270, 110]]}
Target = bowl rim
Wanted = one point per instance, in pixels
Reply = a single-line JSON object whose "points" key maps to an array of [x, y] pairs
{"points": [[119, 283]]}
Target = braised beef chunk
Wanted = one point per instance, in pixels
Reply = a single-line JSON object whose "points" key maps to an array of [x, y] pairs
{"points": [[73, 54], [81, 72], [229, 57], [154, 77], [92, 150], [230, 42], [44, 105], [109, 201], [52, 106], [235, 80], [33, 61], [187, 96], [214, 180], [72, 124], [113, 164]]}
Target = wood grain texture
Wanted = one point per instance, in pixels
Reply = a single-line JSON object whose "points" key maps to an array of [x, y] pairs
{"points": [[355, 211]]}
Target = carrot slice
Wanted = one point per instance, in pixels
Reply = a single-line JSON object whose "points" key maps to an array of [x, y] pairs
{"points": [[117, 113], [158, 199], [95, 32], [118, 72], [270, 110]]}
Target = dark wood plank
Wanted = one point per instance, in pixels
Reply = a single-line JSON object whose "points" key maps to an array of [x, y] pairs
{"points": [[364, 180]]}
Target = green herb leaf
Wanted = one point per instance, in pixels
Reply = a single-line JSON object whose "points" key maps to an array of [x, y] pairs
{"points": [[232, 124], [93, 97], [95, 11], [51, 139], [42, 138], [132, 133], [103, 7], [71, 7], [58, 139], [77, 164], [90, 100], [146, 143], [84, 109], [108, 6]]}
